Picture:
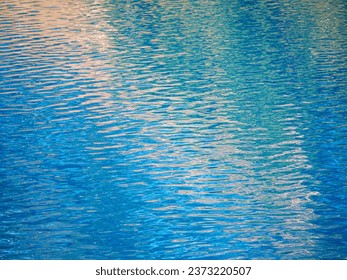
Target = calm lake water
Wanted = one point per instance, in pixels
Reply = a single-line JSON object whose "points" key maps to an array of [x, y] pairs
{"points": [[187, 129]]}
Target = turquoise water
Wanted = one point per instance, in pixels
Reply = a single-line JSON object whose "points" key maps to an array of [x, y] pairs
{"points": [[156, 129]]}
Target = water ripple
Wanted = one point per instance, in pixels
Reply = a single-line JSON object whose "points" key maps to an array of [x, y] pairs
{"points": [[172, 129]]}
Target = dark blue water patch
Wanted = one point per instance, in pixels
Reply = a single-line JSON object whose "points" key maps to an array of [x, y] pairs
{"points": [[173, 130]]}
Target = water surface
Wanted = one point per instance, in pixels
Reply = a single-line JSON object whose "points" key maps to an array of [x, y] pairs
{"points": [[156, 129]]}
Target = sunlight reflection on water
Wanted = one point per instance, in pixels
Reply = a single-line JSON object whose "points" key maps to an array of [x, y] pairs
{"points": [[172, 130]]}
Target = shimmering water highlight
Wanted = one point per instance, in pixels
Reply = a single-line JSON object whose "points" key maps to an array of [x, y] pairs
{"points": [[155, 129]]}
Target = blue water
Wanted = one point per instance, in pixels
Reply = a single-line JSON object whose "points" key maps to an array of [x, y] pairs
{"points": [[187, 129]]}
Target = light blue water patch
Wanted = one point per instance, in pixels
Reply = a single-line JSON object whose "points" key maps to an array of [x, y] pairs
{"points": [[173, 129]]}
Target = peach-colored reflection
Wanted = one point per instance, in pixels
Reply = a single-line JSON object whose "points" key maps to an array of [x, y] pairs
{"points": [[67, 28]]}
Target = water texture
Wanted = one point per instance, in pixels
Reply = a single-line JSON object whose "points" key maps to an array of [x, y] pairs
{"points": [[187, 129]]}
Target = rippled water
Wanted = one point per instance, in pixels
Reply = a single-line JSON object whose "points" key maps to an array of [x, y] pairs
{"points": [[187, 129]]}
